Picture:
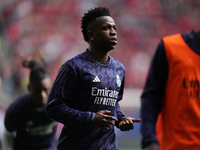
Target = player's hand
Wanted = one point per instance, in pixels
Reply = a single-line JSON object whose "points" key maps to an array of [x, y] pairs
{"points": [[104, 121], [128, 123], [152, 147]]}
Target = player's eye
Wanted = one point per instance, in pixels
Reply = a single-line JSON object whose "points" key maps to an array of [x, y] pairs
{"points": [[105, 27]]}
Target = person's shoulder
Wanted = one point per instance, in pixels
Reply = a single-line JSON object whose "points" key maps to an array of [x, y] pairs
{"points": [[76, 59], [18, 104], [190, 32], [188, 36], [173, 39], [172, 36], [117, 62]]}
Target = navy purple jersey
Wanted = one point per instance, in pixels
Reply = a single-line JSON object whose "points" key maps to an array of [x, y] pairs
{"points": [[155, 87], [82, 87], [33, 129]]}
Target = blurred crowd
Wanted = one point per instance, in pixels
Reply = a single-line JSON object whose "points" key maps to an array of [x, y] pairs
{"points": [[51, 27]]}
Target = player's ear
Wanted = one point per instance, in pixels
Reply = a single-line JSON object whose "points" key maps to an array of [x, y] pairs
{"points": [[90, 34]]}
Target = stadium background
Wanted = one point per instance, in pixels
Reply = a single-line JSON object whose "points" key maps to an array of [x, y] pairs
{"points": [[53, 28]]}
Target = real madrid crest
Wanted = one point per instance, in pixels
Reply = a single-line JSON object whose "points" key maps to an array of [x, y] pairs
{"points": [[118, 80]]}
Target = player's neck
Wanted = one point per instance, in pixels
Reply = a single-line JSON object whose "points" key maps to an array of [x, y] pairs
{"points": [[99, 55]]}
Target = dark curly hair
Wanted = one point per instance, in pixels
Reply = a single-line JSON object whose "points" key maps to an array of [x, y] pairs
{"points": [[38, 71], [91, 16]]}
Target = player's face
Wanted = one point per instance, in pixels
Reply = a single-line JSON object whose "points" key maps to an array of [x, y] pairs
{"points": [[105, 34], [39, 91]]}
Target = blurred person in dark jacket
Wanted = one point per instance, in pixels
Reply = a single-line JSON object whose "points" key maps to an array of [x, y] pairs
{"points": [[26, 125]]}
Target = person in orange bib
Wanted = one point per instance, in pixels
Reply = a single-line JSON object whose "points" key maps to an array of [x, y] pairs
{"points": [[170, 102]]}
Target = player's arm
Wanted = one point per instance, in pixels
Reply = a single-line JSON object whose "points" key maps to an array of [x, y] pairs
{"points": [[118, 113], [10, 124], [7, 140], [151, 96], [56, 107], [124, 123]]}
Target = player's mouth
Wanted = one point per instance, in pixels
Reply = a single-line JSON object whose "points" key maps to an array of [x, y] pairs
{"points": [[114, 40]]}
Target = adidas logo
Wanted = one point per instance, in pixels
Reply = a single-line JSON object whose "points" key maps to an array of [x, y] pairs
{"points": [[96, 79]]}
